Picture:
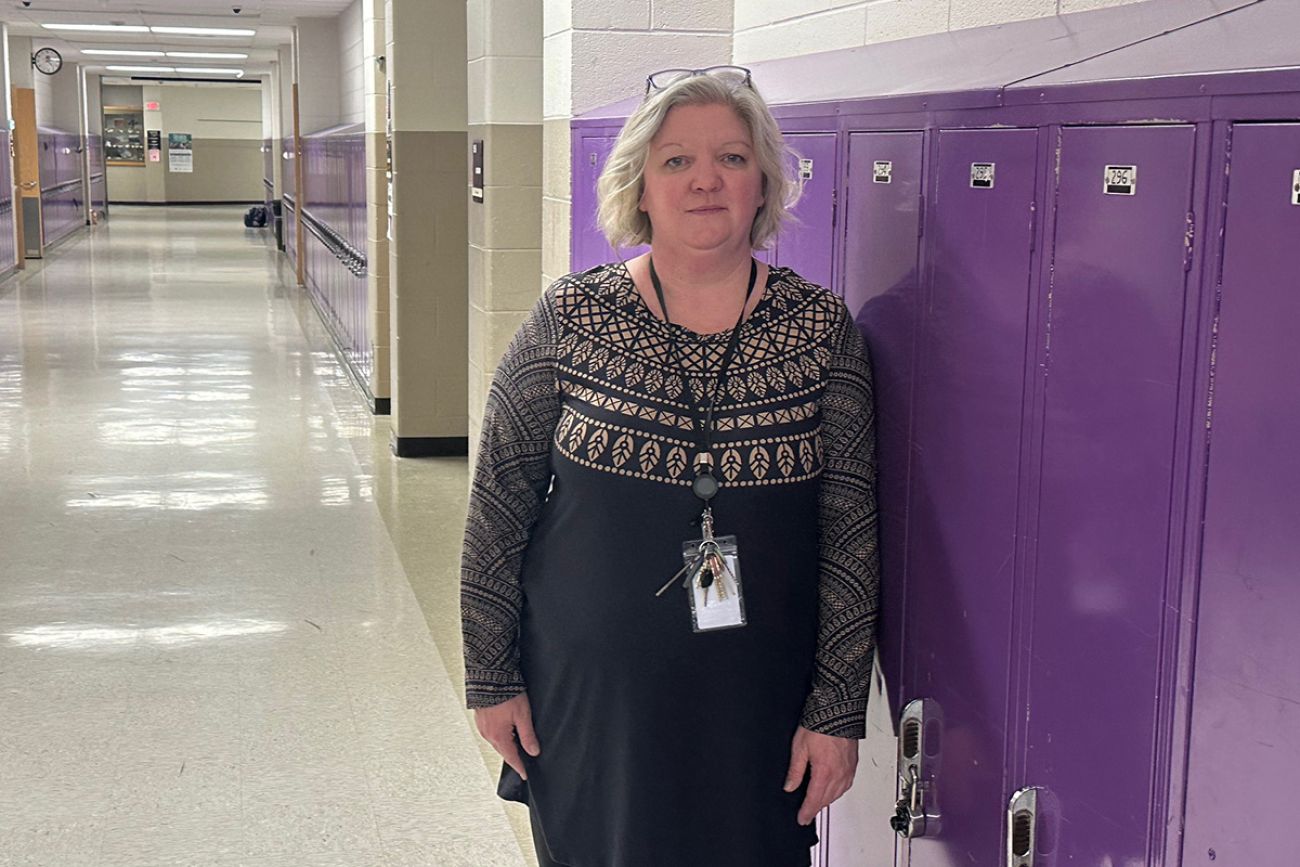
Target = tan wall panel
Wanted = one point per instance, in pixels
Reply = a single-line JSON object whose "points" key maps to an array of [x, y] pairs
{"points": [[127, 184], [429, 274], [225, 170]]}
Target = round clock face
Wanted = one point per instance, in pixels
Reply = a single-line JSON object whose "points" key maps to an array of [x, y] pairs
{"points": [[48, 60]]}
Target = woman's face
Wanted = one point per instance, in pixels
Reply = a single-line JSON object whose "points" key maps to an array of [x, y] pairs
{"points": [[702, 183]]}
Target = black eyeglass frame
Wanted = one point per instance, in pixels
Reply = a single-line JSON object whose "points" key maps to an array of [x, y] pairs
{"points": [[691, 73]]}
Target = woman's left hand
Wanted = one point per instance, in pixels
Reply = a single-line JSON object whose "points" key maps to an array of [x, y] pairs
{"points": [[834, 761]]}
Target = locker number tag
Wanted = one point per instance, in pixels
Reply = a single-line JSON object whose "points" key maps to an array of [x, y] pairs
{"points": [[1295, 187], [1121, 181], [805, 170], [981, 175], [882, 172]]}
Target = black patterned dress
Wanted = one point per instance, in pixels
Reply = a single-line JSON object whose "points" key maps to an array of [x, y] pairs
{"points": [[662, 747]]}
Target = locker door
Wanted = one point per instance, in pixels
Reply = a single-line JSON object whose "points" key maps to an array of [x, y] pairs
{"points": [[806, 245], [589, 247], [1111, 367], [881, 288], [1245, 753], [966, 445]]}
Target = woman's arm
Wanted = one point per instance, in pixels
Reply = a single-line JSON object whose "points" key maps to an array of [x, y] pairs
{"points": [[511, 478], [849, 568]]}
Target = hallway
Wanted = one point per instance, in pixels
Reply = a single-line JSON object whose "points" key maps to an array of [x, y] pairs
{"points": [[211, 652]]}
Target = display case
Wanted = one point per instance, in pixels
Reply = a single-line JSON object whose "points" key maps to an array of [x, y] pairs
{"points": [[123, 135]]}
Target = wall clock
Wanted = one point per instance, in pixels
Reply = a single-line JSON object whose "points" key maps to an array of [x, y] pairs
{"points": [[47, 60]]}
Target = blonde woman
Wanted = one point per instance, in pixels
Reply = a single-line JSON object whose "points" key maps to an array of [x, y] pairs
{"points": [[670, 577]]}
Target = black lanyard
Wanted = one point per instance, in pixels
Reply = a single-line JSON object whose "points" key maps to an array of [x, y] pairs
{"points": [[705, 485]]}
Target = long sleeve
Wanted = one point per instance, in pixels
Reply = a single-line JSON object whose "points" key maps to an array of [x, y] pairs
{"points": [[511, 479], [849, 567]]}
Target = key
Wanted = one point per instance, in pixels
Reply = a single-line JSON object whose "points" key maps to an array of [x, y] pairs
{"points": [[680, 572]]}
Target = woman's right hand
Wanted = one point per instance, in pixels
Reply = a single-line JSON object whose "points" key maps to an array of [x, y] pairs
{"points": [[499, 726]]}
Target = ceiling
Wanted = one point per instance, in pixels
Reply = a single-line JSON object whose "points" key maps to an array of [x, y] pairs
{"points": [[272, 19]]}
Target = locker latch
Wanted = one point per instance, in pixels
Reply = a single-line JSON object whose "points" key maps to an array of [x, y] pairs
{"points": [[919, 741], [1031, 828]]}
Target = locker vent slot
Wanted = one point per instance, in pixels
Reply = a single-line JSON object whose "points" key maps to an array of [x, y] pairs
{"points": [[911, 739], [1022, 833]]}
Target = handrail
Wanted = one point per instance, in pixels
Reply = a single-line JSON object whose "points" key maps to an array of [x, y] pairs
{"points": [[58, 188], [352, 258]]}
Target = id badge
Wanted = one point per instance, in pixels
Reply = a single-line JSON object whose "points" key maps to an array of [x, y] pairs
{"points": [[717, 597]]}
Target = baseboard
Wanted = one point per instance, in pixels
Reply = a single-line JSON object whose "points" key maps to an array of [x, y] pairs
{"points": [[429, 447]]}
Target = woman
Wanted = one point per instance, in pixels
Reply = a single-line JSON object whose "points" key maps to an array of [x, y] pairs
{"points": [[664, 695]]}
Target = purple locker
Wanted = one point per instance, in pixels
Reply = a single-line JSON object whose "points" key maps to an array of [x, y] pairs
{"points": [[881, 288], [964, 481], [806, 243], [1114, 313], [1245, 733], [589, 247]]}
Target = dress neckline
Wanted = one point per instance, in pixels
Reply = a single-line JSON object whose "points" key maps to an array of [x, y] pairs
{"points": [[638, 301]]}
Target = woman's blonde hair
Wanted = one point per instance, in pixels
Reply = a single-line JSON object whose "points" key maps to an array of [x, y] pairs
{"points": [[622, 181]]}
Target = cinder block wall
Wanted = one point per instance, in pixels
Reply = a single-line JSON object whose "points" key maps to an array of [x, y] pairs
{"points": [[766, 29], [504, 50]]}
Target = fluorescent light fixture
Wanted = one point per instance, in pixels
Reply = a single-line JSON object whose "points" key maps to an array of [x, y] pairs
{"points": [[204, 31], [115, 52], [208, 55], [210, 70], [140, 69], [110, 28]]}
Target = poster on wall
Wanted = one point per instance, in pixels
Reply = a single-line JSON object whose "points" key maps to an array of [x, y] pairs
{"points": [[154, 142], [180, 152]]}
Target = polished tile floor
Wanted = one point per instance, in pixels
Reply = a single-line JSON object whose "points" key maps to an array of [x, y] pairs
{"points": [[227, 615]]}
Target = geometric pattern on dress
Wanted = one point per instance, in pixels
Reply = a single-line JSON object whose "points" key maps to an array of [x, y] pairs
{"points": [[638, 454], [668, 418]]}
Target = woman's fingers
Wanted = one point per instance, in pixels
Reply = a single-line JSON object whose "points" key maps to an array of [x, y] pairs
{"points": [[499, 725], [524, 728], [510, 752], [824, 788], [815, 799], [834, 762], [798, 765]]}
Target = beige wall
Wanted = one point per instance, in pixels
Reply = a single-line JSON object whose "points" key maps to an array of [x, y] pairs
{"points": [[20, 62], [44, 87], [427, 253], [595, 53], [766, 29], [319, 82], [122, 94], [350, 60], [504, 47], [57, 105], [375, 113], [212, 111], [226, 122]]}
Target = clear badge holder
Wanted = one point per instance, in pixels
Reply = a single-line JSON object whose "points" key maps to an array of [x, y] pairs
{"points": [[713, 583]]}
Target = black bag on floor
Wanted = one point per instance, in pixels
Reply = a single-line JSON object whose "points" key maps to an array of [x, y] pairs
{"points": [[255, 217]]}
